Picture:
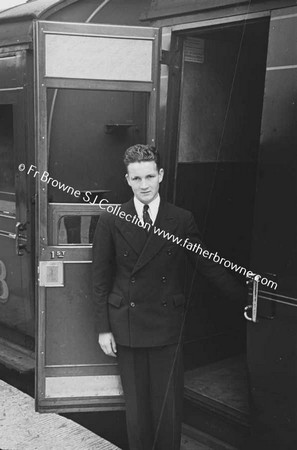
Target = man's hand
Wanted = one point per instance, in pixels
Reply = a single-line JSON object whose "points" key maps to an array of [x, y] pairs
{"points": [[108, 344]]}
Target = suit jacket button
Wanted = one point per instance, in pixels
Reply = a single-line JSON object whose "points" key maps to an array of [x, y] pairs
{"points": [[133, 280], [164, 303], [126, 253], [132, 304], [164, 279]]}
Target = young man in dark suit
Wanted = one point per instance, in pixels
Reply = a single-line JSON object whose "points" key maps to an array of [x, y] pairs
{"points": [[138, 282]]}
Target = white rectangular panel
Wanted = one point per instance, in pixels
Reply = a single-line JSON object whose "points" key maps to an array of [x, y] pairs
{"points": [[51, 274], [98, 58], [83, 386]]}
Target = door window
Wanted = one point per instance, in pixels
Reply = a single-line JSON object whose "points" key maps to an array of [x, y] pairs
{"points": [[89, 130]]}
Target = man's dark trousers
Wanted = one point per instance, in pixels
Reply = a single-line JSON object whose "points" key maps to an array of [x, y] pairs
{"points": [[152, 380]]}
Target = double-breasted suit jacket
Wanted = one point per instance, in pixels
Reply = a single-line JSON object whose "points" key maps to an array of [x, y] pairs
{"points": [[138, 277]]}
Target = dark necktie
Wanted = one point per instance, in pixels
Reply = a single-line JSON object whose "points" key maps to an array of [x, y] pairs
{"points": [[146, 216]]}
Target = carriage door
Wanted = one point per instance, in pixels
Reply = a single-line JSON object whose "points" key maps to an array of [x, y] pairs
{"points": [[272, 313], [96, 95]]}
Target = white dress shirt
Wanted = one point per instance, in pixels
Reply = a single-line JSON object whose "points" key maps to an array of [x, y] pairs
{"points": [[152, 210]]}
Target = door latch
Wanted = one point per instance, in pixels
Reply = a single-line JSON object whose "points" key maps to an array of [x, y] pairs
{"points": [[253, 308], [20, 247], [251, 311]]}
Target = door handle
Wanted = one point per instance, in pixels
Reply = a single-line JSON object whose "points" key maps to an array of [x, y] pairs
{"points": [[251, 311], [253, 308], [20, 247]]}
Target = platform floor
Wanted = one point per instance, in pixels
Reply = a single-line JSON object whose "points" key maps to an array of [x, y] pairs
{"points": [[22, 428]]}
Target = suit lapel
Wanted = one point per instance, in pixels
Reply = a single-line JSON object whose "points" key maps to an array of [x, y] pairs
{"points": [[164, 221], [132, 233], [146, 246]]}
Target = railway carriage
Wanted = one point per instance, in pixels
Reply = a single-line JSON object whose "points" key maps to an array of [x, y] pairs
{"points": [[213, 84]]}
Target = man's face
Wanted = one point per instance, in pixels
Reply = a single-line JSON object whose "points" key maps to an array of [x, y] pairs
{"points": [[144, 179]]}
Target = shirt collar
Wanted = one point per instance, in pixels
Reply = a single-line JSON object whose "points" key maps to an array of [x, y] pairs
{"points": [[153, 208]]}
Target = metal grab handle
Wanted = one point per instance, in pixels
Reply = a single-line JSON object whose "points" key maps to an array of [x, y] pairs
{"points": [[254, 306], [19, 248], [246, 310]]}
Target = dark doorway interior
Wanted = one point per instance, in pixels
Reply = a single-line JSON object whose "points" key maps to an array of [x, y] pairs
{"points": [[222, 91]]}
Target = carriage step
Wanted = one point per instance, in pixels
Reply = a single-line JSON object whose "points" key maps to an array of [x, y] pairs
{"points": [[15, 357], [193, 439], [216, 401]]}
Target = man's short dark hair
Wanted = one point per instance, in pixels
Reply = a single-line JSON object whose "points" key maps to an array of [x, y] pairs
{"points": [[142, 153]]}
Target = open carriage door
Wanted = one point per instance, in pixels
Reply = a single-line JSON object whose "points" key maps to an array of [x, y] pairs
{"points": [[272, 314], [72, 372]]}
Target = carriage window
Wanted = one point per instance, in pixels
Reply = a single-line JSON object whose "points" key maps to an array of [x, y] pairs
{"points": [[89, 131], [118, 59], [76, 229], [7, 166]]}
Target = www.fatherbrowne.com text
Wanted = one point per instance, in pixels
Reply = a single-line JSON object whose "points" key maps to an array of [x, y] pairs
{"points": [[116, 210], [186, 243]]}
